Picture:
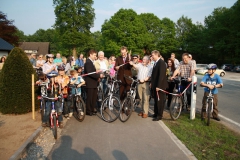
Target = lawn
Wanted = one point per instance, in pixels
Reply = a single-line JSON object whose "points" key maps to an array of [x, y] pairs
{"points": [[206, 142]]}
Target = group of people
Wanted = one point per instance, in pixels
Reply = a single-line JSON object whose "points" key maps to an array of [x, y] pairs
{"points": [[152, 73]]}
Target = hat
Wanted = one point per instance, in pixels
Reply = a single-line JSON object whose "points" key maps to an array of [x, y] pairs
{"points": [[134, 55]]}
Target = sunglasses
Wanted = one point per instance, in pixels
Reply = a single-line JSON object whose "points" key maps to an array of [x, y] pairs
{"points": [[135, 58]]}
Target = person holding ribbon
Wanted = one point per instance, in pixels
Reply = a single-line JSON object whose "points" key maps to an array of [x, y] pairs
{"points": [[158, 81], [91, 79], [123, 68]]}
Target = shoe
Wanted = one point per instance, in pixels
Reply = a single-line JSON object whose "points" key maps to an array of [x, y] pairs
{"points": [[70, 114], [44, 124], [157, 119], [95, 110], [89, 113], [140, 114], [144, 116], [153, 116], [60, 124], [216, 118]]}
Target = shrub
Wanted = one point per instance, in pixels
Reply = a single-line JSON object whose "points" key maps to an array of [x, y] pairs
{"points": [[15, 83]]}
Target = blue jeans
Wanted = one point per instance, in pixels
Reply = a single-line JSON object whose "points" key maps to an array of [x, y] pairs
{"points": [[48, 108], [104, 84]]}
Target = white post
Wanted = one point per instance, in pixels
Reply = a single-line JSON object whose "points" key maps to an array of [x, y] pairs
{"points": [[193, 97]]}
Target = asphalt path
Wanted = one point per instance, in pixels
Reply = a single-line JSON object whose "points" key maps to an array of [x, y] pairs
{"points": [[94, 139], [228, 97]]}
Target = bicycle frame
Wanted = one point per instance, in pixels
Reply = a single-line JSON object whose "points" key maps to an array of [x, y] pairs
{"points": [[184, 95], [209, 98]]}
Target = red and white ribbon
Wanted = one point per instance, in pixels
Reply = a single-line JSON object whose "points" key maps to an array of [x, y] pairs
{"points": [[174, 93]]}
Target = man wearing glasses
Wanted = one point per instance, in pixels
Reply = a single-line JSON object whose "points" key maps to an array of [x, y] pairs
{"points": [[185, 70]]}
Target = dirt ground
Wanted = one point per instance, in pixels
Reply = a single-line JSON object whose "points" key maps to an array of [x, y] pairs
{"points": [[15, 130]]}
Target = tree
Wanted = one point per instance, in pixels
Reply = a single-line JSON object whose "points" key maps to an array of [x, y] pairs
{"points": [[74, 18], [184, 26], [166, 38], [154, 27], [15, 83], [8, 30], [124, 28]]}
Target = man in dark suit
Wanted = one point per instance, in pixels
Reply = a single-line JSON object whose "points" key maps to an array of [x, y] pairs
{"points": [[124, 70], [158, 81], [91, 83]]}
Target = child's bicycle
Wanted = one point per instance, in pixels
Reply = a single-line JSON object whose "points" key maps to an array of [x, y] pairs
{"points": [[129, 103], [209, 107], [179, 100], [79, 107], [111, 105]]}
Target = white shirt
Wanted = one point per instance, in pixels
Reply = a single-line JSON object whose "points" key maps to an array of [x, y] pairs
{"points": [[144, 71], [103, 65]]}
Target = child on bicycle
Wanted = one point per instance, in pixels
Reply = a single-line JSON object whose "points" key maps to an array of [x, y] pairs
{"points": [[211, 81], [62, 81], [76, 79]]}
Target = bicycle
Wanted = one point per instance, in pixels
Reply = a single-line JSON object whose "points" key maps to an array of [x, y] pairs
{"points": [[129, 103], [111, 106], [179, 100], [79, 107], [209, 107]]}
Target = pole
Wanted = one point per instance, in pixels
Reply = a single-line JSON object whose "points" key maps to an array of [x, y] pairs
{"points": [[33, 98], [193, 97]]}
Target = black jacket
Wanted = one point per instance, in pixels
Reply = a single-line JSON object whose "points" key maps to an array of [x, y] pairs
{"points": [[91, 80], [159, 78]]}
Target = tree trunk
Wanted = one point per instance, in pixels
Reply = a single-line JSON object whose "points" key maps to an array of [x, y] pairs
{"points": [[74, 52]]}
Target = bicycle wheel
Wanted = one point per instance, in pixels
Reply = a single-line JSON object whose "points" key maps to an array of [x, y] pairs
{"points": [[127, 108], [54, 126], [209, 105], [176, 107], [110, 109], [79, 109]]}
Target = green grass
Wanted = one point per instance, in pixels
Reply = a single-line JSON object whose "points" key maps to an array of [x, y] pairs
{"points": [[206, 142]]}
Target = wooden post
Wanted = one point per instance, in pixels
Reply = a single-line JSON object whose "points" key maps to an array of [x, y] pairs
{"points": [[33, 98]]}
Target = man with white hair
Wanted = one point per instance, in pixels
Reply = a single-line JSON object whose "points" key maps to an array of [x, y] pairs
{"points": [[143, 76], [102, 64]]}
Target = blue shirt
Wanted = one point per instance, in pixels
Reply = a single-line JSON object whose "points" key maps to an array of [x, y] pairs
{"points": [[213, 81], [57, 60], [79, 62]]}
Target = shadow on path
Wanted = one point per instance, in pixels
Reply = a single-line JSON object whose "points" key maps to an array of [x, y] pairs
{"points": [[119, 155], [65, 151]]}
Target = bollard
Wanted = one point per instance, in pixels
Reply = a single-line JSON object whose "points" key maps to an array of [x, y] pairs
{"points": [[193, 97], [33, 98]]}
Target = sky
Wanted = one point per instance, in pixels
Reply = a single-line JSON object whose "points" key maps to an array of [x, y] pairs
{"points": [[31, 15]]}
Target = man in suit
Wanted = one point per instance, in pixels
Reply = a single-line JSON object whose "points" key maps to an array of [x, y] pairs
{"points": [[124, 70], [91, 83], [158, 81]]}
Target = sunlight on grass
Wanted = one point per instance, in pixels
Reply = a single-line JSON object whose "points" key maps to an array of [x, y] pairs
{"points": [[206, 142]]}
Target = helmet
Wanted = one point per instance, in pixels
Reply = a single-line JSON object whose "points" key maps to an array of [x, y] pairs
{"points": [[49, 56], [61, 68], [212, 66]]}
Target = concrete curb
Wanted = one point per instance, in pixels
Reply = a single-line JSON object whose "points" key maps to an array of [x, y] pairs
{"points": [[185, 150], [19, 153]]}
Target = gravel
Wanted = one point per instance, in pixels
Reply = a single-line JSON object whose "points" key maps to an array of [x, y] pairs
{"points": [[43, 144]]}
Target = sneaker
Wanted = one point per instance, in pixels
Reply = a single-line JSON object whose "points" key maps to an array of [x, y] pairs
{"points": [[70, 114], [60, 124], [44, 124]]}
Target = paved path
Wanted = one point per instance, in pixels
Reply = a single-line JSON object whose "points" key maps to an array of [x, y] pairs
{"points": [[135, 139]]}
